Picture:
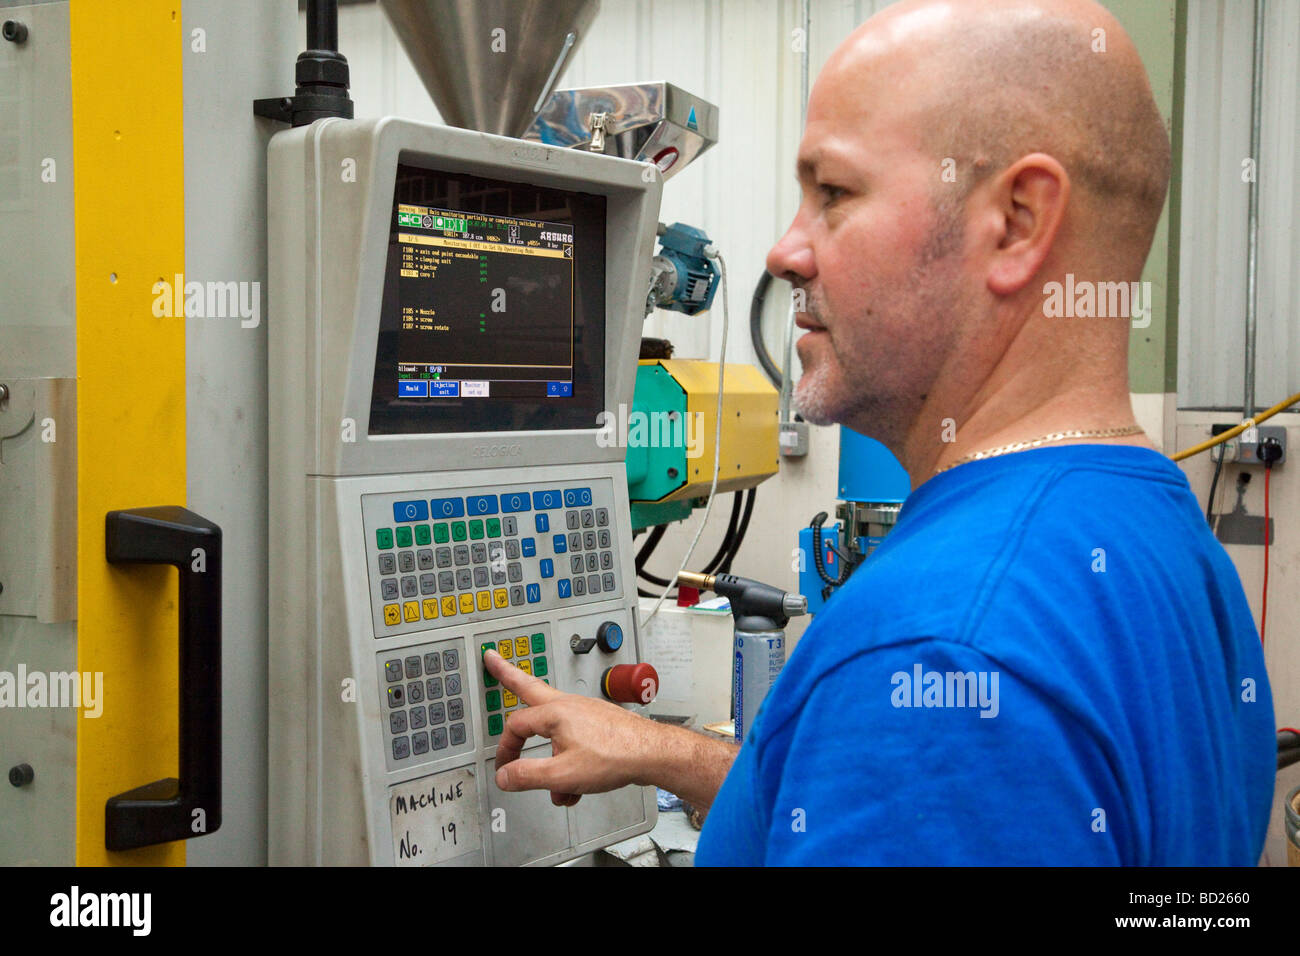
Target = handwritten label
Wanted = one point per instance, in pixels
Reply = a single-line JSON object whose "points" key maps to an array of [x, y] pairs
{"points": [[435, 818]]}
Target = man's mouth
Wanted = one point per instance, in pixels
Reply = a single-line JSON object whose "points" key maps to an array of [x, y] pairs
{"points": [[808, 324]]}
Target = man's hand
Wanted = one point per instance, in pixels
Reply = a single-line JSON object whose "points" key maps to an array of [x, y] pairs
{"points": [[597, 746]]}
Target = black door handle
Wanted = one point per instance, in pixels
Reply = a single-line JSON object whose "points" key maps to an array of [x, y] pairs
{"points": [[165, 810]]}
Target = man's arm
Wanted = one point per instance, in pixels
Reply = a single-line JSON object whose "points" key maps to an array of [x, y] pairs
{"points": [[920, 774], [599, 746]]}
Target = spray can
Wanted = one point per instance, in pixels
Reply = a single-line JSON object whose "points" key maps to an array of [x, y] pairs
{"points": [[760, 612], [758, 652]]}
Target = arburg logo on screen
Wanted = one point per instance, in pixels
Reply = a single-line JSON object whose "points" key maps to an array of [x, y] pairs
{"points": [[496, 451]]}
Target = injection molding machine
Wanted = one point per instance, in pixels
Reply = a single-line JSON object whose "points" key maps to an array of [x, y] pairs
{"points": [[450, 312]]}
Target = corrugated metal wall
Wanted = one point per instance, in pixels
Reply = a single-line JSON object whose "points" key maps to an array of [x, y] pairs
{"points": [[1212, 289]]}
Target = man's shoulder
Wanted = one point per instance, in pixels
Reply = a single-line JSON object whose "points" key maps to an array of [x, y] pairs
{"points": [[1012, 547]]}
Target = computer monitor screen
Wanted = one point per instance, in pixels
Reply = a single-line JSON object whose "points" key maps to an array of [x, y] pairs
{"points": [[493, 312]]}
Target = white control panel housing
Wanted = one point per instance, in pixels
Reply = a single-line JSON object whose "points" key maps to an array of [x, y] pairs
{"points": [[395, 558]]}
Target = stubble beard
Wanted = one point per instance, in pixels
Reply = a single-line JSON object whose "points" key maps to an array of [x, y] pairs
{"points": [[823, 394], [813, 396]]}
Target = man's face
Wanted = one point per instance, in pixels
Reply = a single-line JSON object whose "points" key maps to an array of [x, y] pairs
{"points": [[879, 265]]}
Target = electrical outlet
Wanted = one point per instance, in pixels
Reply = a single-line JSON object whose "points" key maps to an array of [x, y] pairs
{"points": [[1225, 450], [1240, 451], [793, 439]]}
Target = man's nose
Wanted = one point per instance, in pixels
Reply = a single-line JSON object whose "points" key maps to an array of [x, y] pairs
{"points": [[792, 256]]}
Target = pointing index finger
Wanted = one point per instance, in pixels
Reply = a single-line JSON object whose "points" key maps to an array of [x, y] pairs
{"points": [[531, 690]]}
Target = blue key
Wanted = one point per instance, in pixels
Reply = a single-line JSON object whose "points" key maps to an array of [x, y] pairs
{"points": [[516, 501], [559, 544], [548, 569], [528, 546], [577, 497], [533, 592], [481, 504], [543, 523], [447, 507], [410, 511], [566, 588], [546, 501]]}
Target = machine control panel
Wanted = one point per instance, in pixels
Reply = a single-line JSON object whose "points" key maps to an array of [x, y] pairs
{"points": [[424, 692], [489, 303], [475, 554], [527, 651]]}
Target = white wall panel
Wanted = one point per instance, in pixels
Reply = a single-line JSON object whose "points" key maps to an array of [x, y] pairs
{"points": [[1216, 140]]}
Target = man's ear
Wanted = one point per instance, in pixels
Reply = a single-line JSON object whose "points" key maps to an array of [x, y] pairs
{"points": [[1031, 196]]}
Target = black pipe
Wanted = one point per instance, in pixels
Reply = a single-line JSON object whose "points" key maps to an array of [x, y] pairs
{"points": [[740, 533], [323, 25], [320, 73], [647, 549], [756, 329], [726, 552], [652, 578], [728, 536]]}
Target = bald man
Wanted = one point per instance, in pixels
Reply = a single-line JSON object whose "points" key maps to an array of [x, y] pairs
{"points": [[1050, 659]]}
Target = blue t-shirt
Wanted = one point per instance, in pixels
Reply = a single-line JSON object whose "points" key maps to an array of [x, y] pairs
{"points": [[1049, 660]]}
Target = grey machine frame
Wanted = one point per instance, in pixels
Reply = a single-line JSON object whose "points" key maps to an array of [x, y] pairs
{"points": [[330, 784]]}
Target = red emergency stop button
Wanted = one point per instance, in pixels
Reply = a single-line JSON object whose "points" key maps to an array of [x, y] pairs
{"points": [[630, 683]]}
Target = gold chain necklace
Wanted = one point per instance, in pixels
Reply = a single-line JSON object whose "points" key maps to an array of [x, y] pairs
{"points": [[1035, 442]]}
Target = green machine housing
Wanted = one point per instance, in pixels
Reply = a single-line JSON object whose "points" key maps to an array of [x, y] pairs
{"points": [[670, 435]]}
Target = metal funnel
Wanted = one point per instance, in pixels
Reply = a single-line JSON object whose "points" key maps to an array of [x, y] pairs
{"points": [[490, 65], [650, 122]]}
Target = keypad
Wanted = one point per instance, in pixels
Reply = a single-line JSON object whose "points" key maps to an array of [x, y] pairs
{"points": [[423, 702], [441, 556], [527, 651]]}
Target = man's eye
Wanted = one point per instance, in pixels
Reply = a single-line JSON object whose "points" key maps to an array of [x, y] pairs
{"points": [[830, 193]]}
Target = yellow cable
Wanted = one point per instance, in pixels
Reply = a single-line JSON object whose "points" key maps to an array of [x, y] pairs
{"points": [[1234, 432]]}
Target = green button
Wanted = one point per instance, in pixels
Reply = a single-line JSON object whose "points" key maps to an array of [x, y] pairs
{"points": [[494, 700], [441, 534], [494, 527], [539, 643], [476, 529], [384, 538], [404, 536], [422, 534], [496, 724], [488, 679], [539, 667], [458, 531]]}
